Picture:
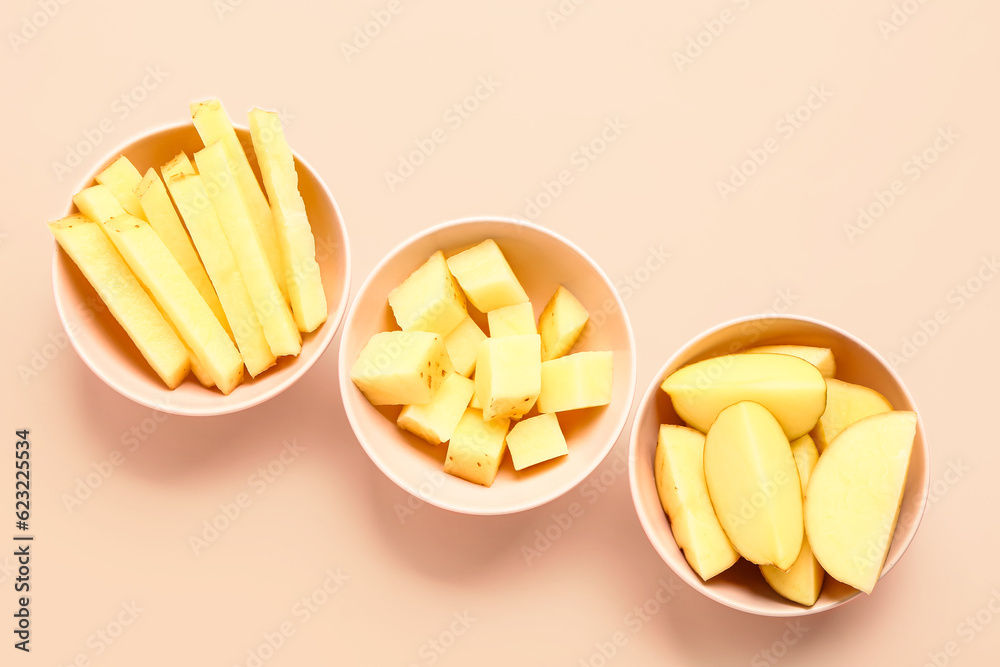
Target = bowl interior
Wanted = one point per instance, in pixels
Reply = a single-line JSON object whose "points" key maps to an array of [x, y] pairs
{"points": [[107, 349], [742, 587], [541, 261]]}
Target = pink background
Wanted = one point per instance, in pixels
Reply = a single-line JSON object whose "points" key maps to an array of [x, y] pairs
{"points": [[415, 585]]}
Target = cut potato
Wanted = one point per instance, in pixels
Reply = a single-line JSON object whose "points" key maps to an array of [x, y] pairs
{"points": [[401, 367], [436, 421], [122, 178], [803, 581], [429, 299], [509, 375], [179, 165], [792, 389], [165, 222], [217, 172], [157, 269], [679, 471], [220, 263], [516, 320], [291, 224], [476, 448], [213, 125], [98, 203], [580, 380], [463, 345], [846, 403], [535, 440], [561, 323], [89, 247], [820, 357], [853, 497], [486, 277], [754, 484]]}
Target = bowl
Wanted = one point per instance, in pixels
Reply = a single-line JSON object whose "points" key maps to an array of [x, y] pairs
{"points": [[742, 586], [110, 353], [541, 260]]}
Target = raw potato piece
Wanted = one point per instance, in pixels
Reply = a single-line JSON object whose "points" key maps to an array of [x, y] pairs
{"points": [[804, 580], [164, 220], [100, 205], [792, 389], [754, 485], [216, 171], [463, 345], [853, 498], [436, 421], [846, 403], [561, 323], [820, 357], [206, 230], [122, 178], [291, 224], [476, 448], [401, 367], [679, 471], [179, 165], [580, 380], [88, 246], [516, 320], [429, 299], [157, 269], [535, 440], [508, 375], [486, 277], [213, 125]]}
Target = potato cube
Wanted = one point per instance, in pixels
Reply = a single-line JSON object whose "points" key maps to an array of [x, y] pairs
{"points": [[580, 380], [516, 320], [535, 440], [486, 277], [463, 345], [436, 421], [561, 323], [401, 367], [476, 448], [508, 375], [429, 299], [122, 178]]}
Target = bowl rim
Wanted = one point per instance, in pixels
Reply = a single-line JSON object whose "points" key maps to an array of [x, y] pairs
{"points": [[346, 385], [336, 315], [647, 521]]}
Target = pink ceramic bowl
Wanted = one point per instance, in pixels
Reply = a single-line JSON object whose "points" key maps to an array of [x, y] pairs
{"points": [[742, 586], [541, 260], [106, 348]]}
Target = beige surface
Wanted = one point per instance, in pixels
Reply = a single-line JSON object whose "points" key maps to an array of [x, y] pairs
{"points": [[409, 582]]}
